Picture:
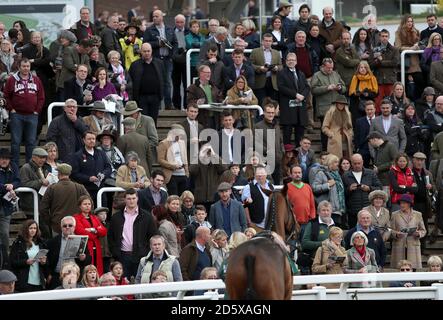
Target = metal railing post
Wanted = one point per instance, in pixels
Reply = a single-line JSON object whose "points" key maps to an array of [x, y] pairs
{"points": [[321, 292], [106, 189], [34, 198], [402, 63], [439, 292]]}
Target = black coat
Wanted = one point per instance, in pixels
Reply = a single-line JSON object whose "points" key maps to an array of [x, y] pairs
{"points": [[81, 32], [143, 229], [230, 76], [287, 91], [17, 261], [136, 74], [145, 200], [151, 35], [9, 175], [110, 41], [375, 242], [416, 137], [85, 166], [67, 135], [358, 199], [53, 245], [361, 131], [73, 91]]}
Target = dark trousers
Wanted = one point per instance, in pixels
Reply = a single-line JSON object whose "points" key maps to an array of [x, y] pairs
{"points": [[287, 133], [177, 185], [178, 78], [276, 175], [130, 265], [323, 137], [266, 91], [150, 105]]}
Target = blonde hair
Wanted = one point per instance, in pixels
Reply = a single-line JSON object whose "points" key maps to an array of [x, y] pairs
{"points": [[433, 260], [85, 280], [67, 268], [335, 231], [331, 158], [251, 230], [431, 39], [404, 262], [186, 194], [236, 239], [366, 65]]}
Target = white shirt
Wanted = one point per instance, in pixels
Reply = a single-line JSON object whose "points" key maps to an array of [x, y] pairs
{"points": [[387, 123], [369, 120], [357, 176], [230, 134]]}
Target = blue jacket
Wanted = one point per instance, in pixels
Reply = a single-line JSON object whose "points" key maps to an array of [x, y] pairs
{"points": [[238, 216], [84, 166], [9, 175]]}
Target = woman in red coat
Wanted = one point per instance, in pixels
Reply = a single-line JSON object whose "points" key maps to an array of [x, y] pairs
{"points": [[401, 180], [89, 225]]}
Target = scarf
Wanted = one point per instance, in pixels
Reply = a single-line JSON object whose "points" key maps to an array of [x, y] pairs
{"points": [[7, 59], [121, 80], [361, 252], [340, 189], [364, 81]]}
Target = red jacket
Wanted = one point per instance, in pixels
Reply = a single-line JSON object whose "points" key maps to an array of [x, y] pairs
{"points": [[25, 97], [81, 224], [403, 179]]}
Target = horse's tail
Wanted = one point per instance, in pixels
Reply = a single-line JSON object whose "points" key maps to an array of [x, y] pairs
{"points": [[249, 264]]}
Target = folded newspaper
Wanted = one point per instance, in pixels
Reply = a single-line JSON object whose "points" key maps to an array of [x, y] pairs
{"points": [[75, 246]]}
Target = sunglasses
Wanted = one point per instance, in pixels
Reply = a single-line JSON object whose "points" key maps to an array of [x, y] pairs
{"points": [[405, 269], [68, 225]]}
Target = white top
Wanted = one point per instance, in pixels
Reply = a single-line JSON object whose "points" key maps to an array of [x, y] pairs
{"points": [[357, 176]]}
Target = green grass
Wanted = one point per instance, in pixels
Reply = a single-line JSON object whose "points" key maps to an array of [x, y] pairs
{"points": [[8, 20]]}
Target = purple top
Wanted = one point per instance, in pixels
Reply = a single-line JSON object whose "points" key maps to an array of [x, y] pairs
{"points": [[432, 53], [98, 94]]}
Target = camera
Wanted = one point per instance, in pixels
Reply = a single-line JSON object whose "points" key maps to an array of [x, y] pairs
{"points": [[136, 49], [339, 87], [359, 186], [165, 42], [269, 66]]}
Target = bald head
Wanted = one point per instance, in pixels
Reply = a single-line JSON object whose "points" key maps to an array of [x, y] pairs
{"points": [[157, 17], [146, 51], [180, 21], [439, 104], [202, 235]]}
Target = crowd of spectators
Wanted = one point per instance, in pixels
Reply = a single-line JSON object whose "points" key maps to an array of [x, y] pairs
{"points": [[367, 190]]}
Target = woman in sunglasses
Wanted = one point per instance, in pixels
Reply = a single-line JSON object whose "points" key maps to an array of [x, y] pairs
{"points": [[404, 266]]}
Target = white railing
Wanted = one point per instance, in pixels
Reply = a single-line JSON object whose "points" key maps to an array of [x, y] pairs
{"points": [[62, 104], [231, 106], [279, 187], [111, 189], [317, 293], [402, 63], [188, 61], [34, 198]]}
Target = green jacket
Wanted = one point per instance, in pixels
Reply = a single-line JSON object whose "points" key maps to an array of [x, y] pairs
{"points": [[383, 159], [347, 61], [311, 246], [324, 98]]}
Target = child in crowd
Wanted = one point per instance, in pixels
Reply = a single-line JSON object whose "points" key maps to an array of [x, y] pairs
{"points": [[116, 269], [199, 220], [102, 214]]}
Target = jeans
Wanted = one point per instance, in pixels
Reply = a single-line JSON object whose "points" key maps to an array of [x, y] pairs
{"points": [[23, 129], [4, 236], [167, 85]]}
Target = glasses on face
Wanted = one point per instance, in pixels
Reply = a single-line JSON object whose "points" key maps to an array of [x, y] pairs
{"points": [[68, 225], [405, 269]]}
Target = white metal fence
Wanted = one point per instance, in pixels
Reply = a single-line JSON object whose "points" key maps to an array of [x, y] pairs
{"points": [[402, 63], [34, 199], [434, 292]]}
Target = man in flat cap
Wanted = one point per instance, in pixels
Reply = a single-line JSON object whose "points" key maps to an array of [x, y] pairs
{"points": [[283, 11], [33, 176], [134, 141], [172, 157], [425, 184], [227, 213], [61, 198], [9, 180], [7, 282]]}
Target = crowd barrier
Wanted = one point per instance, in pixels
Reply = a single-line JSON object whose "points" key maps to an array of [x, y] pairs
{"points": [[434, 292], [34, 198], [402, 63], [230, 106]]}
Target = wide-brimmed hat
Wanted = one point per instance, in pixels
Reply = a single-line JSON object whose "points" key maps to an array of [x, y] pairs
{"points": [[106, 132], [5, 153], [406, 198], [378, 194], [132, 25], [341, 99], [131, 107], [98, 106], [289, 147]]}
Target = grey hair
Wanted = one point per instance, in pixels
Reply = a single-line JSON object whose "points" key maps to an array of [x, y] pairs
{"points": [[363, 211], [434, 260], [113, 53], [157, 236], [70, 101], [221, 30], [300, 32], [324, 204], [132, 155], [248, 24], [66, 218], [360, 233]]}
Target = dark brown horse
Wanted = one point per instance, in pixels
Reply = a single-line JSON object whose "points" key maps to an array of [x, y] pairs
{"points": [[259, 269], [280, 217]]}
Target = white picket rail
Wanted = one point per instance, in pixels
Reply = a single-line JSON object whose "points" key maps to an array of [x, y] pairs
{"points": [[402, 63], [317, 293], [34, 198], [231, 106]]}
